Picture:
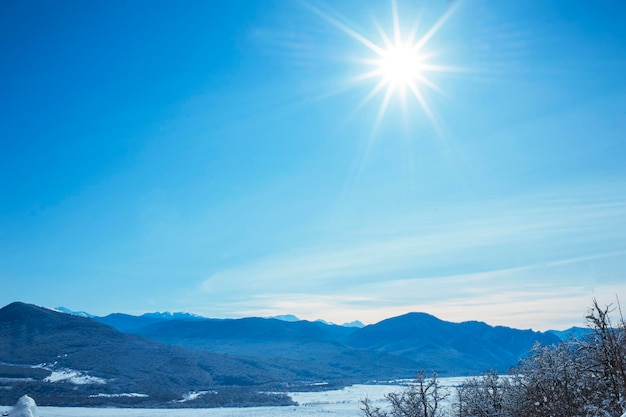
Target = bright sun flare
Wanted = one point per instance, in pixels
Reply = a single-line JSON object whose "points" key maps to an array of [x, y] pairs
{"points": [[400, 64]]}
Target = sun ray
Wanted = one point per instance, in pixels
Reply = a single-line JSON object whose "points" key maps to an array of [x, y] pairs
{"points": [[428, 83], [420, 98], [413, 32], [397, 37], [383, 106], [431, 117], [383, 35], [368, 98], [435, 28], [442, 68], [367, 75], [346, 29]]}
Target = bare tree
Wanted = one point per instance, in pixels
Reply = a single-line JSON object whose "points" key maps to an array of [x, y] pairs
{"points": [[421, 399], [370, 410]]}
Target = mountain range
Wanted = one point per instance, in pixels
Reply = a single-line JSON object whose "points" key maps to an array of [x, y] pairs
{"points": [[63, 359], [163, 359]]}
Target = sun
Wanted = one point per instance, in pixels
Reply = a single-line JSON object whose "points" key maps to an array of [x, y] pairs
{"points": [[401, 63], [400, 66]]}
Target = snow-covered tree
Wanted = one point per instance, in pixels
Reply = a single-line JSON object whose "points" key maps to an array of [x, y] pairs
{"points": [[576, 378], [552, 382], [485, 396], [421, 399], [605, 350]]}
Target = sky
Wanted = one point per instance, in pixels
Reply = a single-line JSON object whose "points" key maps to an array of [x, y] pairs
{"points": [[351, 160]]}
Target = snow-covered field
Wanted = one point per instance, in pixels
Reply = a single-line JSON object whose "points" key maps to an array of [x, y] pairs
{"points": [[334, 403]]}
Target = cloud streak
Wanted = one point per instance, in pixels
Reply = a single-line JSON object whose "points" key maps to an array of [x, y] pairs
{"points": [[499, 261]]}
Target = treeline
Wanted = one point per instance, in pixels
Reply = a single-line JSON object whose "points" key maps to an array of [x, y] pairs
{"points": [[583, 377]]}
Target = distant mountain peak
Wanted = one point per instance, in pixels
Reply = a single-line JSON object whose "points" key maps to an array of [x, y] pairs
{"points": [[292, 318], [179, 315], [73, 313], [285, 317], [571, 333], [356, 323]]}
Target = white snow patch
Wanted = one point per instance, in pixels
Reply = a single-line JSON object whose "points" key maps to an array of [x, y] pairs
{"points": [[44, 365], [124, 394], [194, 395], [10, 379], [73, 377], [335, 403], [72, 313]]}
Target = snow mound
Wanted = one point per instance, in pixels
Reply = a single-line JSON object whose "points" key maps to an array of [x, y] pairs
{"points": [[25, 407]]}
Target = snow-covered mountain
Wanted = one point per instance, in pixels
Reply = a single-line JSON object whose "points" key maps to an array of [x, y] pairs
{"points": [[286, 317], [73, 313], [355, 323], [179, 315]]}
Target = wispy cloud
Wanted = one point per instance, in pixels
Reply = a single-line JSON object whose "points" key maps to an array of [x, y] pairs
{"points": [[543, 296], [499, 260]]}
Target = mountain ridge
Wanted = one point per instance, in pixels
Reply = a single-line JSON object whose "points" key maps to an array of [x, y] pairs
{"points": [[183, 315], [164, 356], [451, 348], [473, 345], [73, 360]]}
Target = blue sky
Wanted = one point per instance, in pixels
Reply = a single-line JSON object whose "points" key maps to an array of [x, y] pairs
{"points": [[237, 158]]}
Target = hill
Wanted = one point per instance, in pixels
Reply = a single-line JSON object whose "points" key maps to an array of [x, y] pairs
{"points": [[467, 348], [70, 360]]}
